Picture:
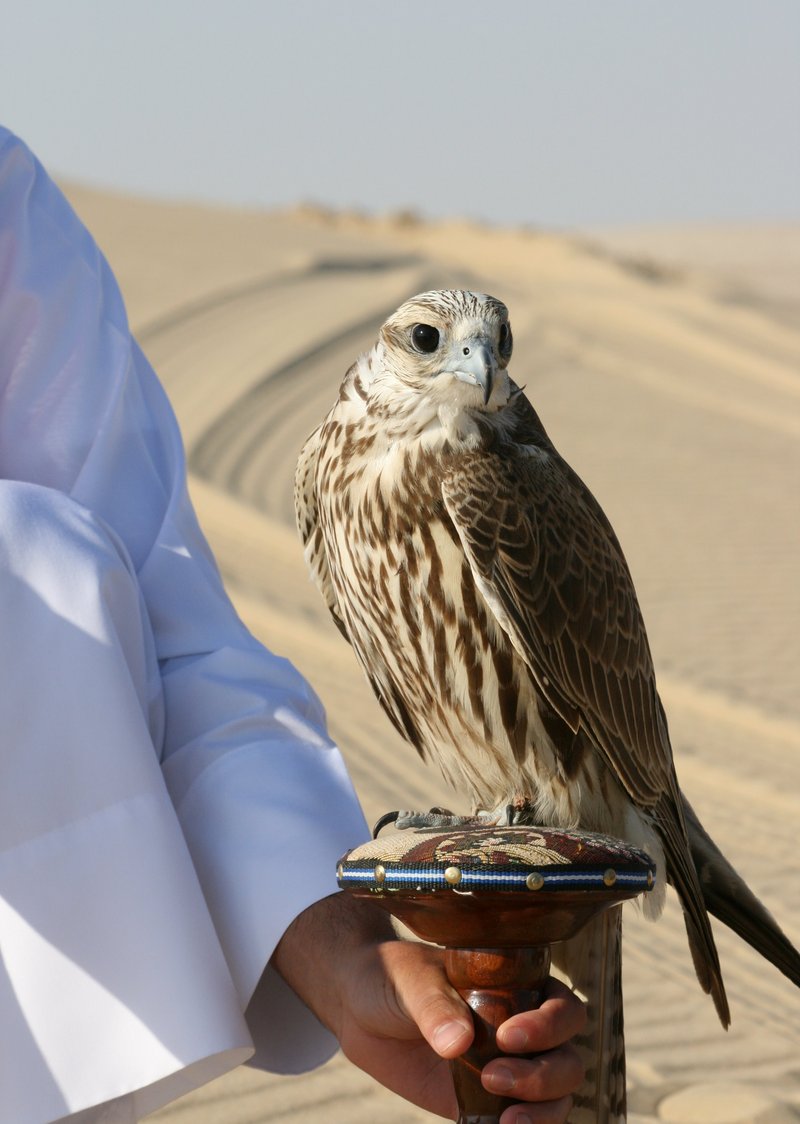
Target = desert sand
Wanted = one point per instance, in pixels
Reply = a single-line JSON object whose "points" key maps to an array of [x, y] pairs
{"points": [[666, 366]]}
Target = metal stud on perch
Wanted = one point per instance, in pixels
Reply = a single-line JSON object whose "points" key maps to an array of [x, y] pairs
{"points": [[496, 899]]}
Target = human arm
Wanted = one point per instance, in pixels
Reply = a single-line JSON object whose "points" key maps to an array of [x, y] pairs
{"points": [[395, 1015], [238, 738]]}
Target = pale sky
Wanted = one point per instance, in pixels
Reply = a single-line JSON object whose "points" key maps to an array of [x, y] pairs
{"points": [[559, 113]]}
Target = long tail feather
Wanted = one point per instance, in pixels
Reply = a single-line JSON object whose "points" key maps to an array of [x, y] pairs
{"points": [[593, 962], [728, 898], [682, 873]]}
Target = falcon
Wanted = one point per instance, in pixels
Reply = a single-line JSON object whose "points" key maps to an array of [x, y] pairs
{"points": [[487, 598]]}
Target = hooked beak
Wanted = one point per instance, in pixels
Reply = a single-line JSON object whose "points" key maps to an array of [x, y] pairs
{"points": [[475, 365]]}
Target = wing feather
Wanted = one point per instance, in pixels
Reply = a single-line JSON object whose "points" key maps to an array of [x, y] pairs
{"points": [[307, 516], [547, 562]]}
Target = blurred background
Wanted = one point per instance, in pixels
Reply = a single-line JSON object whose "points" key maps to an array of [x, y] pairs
{"points": [[269, 181], [567, 115]]}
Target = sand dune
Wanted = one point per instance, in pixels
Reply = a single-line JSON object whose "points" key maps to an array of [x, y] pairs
{"points": [[680, 407]]}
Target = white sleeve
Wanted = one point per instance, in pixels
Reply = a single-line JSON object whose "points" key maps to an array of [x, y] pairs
{"points": [[261, 793]]}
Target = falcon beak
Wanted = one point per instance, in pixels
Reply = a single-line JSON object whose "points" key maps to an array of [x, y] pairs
{"points": [[476, 365]]}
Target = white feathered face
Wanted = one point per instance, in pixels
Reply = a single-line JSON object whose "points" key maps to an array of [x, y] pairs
{"points": [[449, 346]]}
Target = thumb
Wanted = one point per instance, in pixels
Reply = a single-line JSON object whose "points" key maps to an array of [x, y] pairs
{"points": [[426, 1001]]}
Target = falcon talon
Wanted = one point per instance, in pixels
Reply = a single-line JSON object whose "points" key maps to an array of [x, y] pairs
{"points": [[384, 821]]}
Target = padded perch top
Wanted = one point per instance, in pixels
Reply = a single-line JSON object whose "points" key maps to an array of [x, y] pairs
{"points": [[487, 886]]}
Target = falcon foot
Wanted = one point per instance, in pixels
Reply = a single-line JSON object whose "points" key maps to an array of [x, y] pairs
{"points": [[437, 819], [519, 813]]}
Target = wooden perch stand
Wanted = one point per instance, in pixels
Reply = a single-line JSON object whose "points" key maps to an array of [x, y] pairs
{"points": [[496, 899]]}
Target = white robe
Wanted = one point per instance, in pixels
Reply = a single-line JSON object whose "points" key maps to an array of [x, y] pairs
{"points": [[169, 797]]}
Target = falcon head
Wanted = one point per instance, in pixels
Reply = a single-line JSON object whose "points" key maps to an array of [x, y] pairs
{"points": [[448, 347]]}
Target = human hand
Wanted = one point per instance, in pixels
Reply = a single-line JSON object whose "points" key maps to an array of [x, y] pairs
{"points": [[397, 1017]]}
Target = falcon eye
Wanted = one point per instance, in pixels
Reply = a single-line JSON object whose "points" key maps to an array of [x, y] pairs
{"points": [[425, 337], [505, 335]]}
